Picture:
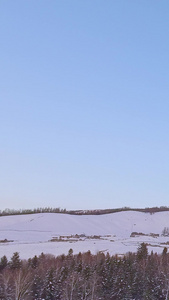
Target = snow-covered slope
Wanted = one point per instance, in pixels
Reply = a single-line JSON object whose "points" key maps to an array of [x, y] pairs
{"points": [[32, 234]]}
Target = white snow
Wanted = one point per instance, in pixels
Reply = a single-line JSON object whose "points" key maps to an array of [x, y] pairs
{"points": [[31, 234]]}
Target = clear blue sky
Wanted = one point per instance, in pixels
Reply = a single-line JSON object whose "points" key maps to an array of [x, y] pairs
{"points": [[84, 103]]}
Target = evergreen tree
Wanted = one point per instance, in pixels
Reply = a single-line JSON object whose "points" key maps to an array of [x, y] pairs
{"points": [[3, 262], [51, 286], [142, 251], [15, 262]]}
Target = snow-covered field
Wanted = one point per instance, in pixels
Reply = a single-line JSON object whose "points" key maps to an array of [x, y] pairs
{"points": [[57, 233]]}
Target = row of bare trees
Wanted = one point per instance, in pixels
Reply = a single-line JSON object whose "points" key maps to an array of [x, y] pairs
{"points": [[150, 210], [138, 276]]}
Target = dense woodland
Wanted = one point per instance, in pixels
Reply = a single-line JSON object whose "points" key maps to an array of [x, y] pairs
{"points": [[8, 212], [136, 276]]}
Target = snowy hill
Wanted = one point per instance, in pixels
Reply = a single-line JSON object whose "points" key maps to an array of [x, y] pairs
{"points": [[57, 233]]}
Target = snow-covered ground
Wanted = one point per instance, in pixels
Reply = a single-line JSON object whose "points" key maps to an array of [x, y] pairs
{"points": [[32, 234]]}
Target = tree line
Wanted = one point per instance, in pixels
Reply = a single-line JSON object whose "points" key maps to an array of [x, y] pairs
{"points": [[9, 212], [136, 276]]}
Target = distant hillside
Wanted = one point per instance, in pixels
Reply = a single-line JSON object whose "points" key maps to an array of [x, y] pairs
{"points": [[55, 233]]}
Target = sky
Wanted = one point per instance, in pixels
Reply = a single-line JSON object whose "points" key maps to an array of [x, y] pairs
{"points": [[84, 107]]}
